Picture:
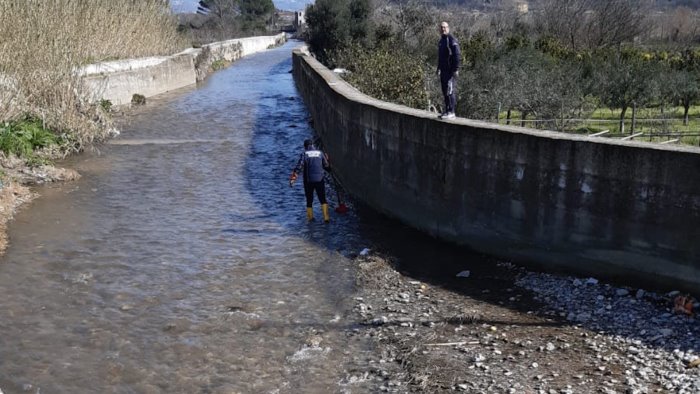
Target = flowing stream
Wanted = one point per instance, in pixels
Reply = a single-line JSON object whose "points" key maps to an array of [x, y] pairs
{"points": [[182, 260]]}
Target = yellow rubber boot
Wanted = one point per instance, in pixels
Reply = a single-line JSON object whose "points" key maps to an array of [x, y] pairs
{"points": [[326, 217], [309, 214]]}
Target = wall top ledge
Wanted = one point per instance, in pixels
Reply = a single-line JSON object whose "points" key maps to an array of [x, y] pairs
{"points": [[122, 65], [116, 66], [343, 88]]}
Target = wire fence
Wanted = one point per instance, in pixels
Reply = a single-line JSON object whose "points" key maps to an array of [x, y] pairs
{"points": [[658, 130]]}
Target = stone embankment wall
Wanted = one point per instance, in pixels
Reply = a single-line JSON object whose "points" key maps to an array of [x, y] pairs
{"points": [[607, 208], [118, 81]]}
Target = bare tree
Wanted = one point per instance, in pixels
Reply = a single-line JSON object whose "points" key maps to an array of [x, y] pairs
{"points": [[411, 18], [564, 20], [593, 23], [614, 22], [219, 21], [681, 25], [219, 8]]}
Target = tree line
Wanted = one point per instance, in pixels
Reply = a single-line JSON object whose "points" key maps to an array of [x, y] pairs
{"points": [[219, 20], [556, 60]]}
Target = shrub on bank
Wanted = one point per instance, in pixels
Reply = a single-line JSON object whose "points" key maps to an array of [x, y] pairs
{"points": [[25, 137], [386, 74], [42, 44]]}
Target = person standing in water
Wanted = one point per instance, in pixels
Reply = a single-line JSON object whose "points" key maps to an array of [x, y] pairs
{"points": [[313, 162]]}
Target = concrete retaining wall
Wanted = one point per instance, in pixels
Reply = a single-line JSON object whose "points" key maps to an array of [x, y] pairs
{"points": [[118, 81], [607, 208]]}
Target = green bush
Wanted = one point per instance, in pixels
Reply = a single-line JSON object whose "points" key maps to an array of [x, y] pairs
{"points": [[23, 138], [219, 64], [385, 74], [106, 105], [335, 25], [13, 144]]}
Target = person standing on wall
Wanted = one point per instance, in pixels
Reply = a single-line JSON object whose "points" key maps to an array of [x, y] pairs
{"points": [[312, 162], [448, 69]]}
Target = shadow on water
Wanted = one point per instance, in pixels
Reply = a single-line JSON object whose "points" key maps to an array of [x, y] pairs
{"points": [[277, 144]]}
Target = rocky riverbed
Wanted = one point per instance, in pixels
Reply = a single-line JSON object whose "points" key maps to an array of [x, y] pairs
{"points": [[543, 334]]}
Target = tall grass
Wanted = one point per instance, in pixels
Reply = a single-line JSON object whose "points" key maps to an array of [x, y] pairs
{"points": [[43, 42]]}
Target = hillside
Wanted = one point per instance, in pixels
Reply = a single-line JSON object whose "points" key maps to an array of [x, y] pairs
{"points": [[533, 4]]}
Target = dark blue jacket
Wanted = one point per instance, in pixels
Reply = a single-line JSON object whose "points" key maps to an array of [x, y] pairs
{"points": [[313, 162], [448, 55]]}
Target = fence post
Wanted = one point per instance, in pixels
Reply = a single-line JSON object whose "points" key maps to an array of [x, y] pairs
{"points": [[561, 127], [498, 113], [634, 116]]}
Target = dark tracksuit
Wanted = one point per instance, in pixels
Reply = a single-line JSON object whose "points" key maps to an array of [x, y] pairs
{"points": [[313, 162], [448, 64]]}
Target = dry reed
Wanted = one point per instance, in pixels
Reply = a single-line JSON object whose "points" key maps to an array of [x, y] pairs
{"points": [[43, 42]]}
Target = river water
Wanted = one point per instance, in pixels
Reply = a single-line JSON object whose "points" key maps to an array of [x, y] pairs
{"points": [[181, 262]]}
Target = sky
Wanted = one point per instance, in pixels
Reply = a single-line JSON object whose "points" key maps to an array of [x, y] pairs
{"points": [[287, 5]]}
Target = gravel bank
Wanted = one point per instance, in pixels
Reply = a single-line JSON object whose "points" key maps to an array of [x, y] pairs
{"points": [[543, 334]]}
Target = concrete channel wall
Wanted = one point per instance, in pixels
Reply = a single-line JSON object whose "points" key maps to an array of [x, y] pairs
{"points": [[118, 81], [620, 210]]}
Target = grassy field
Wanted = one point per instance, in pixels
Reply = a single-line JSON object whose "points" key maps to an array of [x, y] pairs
{"points": [[655, 125]]}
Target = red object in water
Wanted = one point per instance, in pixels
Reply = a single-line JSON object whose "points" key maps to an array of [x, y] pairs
{"points": [[341, 208]]}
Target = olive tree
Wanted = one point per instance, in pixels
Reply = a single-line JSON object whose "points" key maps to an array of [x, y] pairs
{"points": [[682, 82], [625, 80]]}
